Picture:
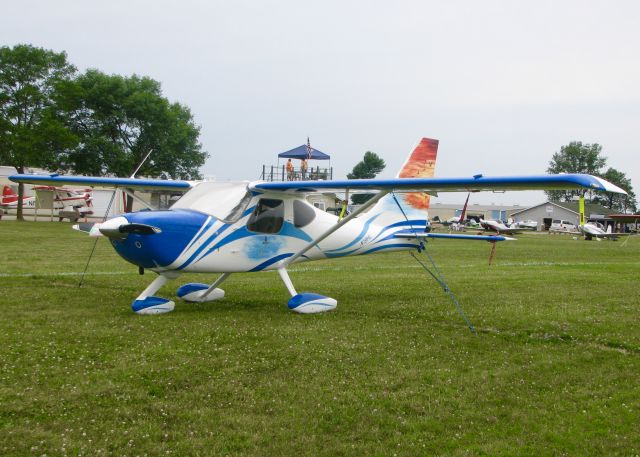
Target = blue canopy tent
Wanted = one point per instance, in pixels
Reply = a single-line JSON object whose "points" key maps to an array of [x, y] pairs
{"points": [[301, 153]]}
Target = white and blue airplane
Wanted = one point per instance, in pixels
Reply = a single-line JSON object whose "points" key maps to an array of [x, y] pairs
{"points": [[234, 227]]}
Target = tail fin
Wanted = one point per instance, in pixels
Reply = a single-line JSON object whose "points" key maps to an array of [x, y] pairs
{"points": [[8, 195], [420, 164]]}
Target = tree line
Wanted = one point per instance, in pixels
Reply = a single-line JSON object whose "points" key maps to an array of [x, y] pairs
{"points": [[91, 123]]}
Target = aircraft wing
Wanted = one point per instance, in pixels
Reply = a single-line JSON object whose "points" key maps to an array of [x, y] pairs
{"points": [[433, 185], [94, 181]]}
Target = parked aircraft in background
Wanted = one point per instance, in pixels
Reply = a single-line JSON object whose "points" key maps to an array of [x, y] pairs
{"points": [[593, 229], [458, 223], [62, 197], [10, 199], [501, 227], [234, 227]]}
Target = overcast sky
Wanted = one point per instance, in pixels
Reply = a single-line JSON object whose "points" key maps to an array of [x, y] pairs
{"points": [[501, 84]]}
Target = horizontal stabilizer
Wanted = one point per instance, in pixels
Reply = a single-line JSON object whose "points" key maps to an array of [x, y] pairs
{"points": [[407, 234]]}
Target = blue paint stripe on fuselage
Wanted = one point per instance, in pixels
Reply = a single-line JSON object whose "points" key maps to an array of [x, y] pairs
{"points": [[211, 239], [360, 236], [203, 230], [417, 224], [204, 245], [271, 261], [288, 230], [333, 255]]}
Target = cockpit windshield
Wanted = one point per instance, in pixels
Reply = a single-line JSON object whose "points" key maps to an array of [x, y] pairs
{"points": [[225, 201]]}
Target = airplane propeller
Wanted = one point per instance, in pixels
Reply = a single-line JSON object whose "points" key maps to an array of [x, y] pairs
{"points": [[119, 228]]}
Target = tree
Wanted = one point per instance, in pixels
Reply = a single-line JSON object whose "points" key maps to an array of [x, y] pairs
{"points": [[575, 158], [586, 158], [120, 120], [32, 128], [367, 168], [621, 203]]}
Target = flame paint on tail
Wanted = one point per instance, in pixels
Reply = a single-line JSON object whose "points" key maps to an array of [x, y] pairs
{"points": [[420, 164]]}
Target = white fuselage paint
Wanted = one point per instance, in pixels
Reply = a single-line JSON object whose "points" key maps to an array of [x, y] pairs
{"points": [[371, 232]]}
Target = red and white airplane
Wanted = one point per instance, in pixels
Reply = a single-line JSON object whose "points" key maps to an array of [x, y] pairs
{"points": [[62, 198]]}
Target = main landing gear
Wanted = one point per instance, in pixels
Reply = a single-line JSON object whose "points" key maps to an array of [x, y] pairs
{"points": [[147, 303], [306, 303]]}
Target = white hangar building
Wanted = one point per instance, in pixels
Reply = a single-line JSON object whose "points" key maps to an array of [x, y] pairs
{"points": [[546, 212]]}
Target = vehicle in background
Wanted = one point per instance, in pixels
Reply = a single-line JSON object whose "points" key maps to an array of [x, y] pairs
{"points": [[528, 224], [561, 226]]}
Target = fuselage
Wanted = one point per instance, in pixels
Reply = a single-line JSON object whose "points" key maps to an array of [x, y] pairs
{"points": [[269, 229]]}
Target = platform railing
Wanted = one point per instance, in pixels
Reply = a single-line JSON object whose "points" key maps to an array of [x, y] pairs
{"points": [[279, 173]]}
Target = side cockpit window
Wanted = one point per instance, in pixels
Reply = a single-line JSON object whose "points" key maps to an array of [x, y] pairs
{"points": [[303, 213], [268, 216]]}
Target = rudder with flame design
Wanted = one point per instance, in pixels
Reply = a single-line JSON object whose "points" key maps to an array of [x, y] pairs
{"points": [[420, 164]]}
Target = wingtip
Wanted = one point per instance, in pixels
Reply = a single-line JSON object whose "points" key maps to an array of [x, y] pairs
{"points": [[609, 187]]}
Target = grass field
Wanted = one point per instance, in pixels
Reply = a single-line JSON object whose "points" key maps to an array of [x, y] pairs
{"points": [[553, 370]]}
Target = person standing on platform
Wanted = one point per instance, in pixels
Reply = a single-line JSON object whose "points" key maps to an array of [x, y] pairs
{"points": [[289, 170]]}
